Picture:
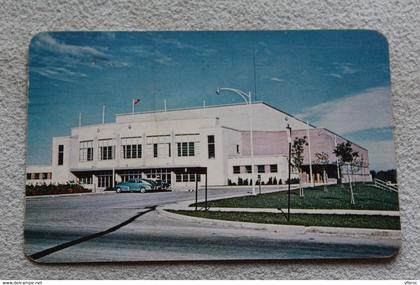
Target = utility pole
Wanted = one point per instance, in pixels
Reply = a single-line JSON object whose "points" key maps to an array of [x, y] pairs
{"points": [[289, 139]]}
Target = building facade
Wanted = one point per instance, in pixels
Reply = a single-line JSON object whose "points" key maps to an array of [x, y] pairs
{"points": [[170, 145]]}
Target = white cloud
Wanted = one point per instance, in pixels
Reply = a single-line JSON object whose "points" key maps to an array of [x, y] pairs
{"points": [[369, 109], [276, 79], [58, 73], [46, 41], [336, 75], [345, 68], [381, 154], [148, 53]]}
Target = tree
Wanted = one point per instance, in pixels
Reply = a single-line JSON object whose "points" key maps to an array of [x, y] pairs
{"points": [[297, 158], [322, 159], [346, 156]]}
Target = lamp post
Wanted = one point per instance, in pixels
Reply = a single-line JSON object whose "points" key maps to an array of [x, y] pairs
{"points": [[289, 140], [248, 100]]}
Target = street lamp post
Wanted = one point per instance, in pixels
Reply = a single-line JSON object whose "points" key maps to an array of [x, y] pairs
{"points": [[248, 100], [289, 139]]}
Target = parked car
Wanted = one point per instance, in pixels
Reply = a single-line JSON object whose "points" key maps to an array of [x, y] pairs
{"points": [[162, 185], [134, 185], [151, 182]]}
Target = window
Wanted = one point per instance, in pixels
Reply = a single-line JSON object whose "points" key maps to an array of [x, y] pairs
{"points": [[187, 177], [60, 154], [192, 177], [273, 168], [105, 179], [86, 151], [44, 175], [190, 149], [132, 151], [107, 152], [211, 147], [155, 150], [86, 180], [236, 170], [106, 149], [131, 147], [237, 149], [261, 168], [29, 176], [36, 176], [169, 149], [248, 168], [186, 148]]}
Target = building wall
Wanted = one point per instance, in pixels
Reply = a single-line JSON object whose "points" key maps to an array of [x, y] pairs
{"points": [[235, 116], [38, 174], [280, 161], [228, 124], [61, 173]]}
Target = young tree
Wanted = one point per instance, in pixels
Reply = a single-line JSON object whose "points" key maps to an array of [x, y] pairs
{"points": [[297, 158], [322, 159], [346, 156]]}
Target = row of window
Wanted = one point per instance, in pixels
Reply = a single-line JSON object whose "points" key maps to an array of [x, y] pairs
{"points": [[248, 169], [132, 148], [134, 151], [37, 176], [187, 177]]}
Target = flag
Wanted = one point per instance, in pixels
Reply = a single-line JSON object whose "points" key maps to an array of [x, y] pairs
{"points": [[136, 101]]}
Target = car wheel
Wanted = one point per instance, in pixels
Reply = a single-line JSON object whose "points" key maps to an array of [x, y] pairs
{"points": [[118, 190], [142, 190]]}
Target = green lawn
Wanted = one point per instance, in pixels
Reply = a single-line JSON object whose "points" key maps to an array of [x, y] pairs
{"points": [[348, 221], [367, 197]]}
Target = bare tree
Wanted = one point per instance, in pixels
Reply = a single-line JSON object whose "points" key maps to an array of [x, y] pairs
{"points": [[297, 159], [346, 156]]}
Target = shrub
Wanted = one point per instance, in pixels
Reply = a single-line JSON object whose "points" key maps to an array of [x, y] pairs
{"points": [[293, 181], [240, 181], [51, 189], [275, 181]]}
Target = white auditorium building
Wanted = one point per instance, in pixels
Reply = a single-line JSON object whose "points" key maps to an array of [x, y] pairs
{"points": [[171, 145]]}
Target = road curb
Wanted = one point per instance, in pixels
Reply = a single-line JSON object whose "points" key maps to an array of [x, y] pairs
{"points": [[289, 229]]}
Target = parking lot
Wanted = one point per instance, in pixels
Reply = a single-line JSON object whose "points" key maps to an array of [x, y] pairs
{"points": [[52, 221]]}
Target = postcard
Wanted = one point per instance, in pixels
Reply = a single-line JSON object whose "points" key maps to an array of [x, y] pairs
{"points": [[222, 145]]}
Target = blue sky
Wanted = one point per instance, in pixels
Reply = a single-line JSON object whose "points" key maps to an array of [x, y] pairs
{"points": [[335, 79]]}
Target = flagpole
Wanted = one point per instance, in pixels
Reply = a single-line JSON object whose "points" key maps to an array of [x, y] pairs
{"points": [[103, 114], [310, 154], [132, 110], [338, 167], [80, 119]]}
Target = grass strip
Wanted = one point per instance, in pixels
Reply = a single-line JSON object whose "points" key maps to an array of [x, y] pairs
{"points": [[323, 220], [367, 197]]}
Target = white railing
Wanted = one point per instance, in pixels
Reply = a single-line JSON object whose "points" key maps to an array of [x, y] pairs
{"points": [[383, 185]]}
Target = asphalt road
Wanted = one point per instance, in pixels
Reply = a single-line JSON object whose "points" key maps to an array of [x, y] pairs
{"points": [[82, 222]]}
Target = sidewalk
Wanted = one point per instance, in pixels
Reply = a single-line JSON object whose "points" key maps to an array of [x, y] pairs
{"points": [[185, 206]]}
